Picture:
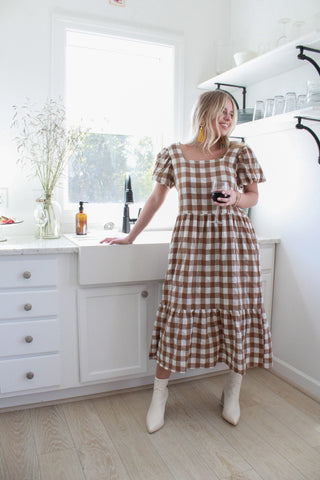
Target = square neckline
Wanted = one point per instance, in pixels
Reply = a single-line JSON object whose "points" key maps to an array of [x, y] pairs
{"points": [[200, 160]]}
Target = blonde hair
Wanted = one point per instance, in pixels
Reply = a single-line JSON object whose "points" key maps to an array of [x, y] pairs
{"points": [[207, 109]]}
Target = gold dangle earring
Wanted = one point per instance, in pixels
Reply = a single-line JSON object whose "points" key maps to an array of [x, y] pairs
{"points": [[200, 134]]}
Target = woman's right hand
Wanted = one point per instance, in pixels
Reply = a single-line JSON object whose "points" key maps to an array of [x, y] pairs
{"points": [[117, 240]]}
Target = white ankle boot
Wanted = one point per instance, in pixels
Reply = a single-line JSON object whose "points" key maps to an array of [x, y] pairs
{"points": [[230, 398], [155, 415]]}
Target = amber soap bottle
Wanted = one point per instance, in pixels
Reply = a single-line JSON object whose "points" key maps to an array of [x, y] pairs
{"points": [[81, 221]]}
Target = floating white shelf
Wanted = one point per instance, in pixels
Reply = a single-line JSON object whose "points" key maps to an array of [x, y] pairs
{"points": [[270, 64], [276, 123]]}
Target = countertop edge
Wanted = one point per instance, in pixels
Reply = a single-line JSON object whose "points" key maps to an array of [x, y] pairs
{"points": [[31, 246]]}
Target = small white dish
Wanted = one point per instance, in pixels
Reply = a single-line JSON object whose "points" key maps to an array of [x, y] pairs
{"points": [[244, 56]]}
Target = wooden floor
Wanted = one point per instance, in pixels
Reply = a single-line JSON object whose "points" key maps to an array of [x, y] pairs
{"points": [[278, 437]]}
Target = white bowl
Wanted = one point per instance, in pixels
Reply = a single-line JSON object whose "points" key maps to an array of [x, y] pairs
{"points": [[242, 57]]}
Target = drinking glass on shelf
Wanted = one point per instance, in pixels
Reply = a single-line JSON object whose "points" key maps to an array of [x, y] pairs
{"points": [[290, 102], [278, 106], [269, 107], [301, 101], [313, 92], [218, 190], [258, 111]]}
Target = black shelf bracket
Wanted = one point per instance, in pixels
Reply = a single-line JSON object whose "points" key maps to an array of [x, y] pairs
{"points": [[303, 127], [244, 93], [239, 138], [302, 56]]}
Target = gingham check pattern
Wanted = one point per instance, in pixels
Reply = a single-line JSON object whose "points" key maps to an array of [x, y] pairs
{"points": [[212, 307]]}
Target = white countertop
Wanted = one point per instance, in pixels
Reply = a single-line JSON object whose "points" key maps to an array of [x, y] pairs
{"points": [[70, 243], [22, 245]]}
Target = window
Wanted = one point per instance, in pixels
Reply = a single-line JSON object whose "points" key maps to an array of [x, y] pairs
{"points": [[122, 87]]}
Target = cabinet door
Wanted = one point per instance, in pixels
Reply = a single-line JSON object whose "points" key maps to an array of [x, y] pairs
{"points": [[112, 332], [267, 287], [267, 257]]}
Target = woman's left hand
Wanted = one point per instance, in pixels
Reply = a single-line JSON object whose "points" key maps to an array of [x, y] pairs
{"points": [[230, 200]]}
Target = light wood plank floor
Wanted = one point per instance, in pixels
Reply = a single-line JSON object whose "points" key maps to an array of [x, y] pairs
{"points": [[278, 437]]}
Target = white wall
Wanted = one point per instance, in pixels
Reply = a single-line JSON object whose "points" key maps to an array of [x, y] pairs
{"points": [[25, 55], [289, 206]]}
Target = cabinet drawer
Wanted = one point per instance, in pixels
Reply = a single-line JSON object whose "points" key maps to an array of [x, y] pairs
{"points": [[24, 272], [42, 371], [28, 304], [266, 257], [25, 338]]}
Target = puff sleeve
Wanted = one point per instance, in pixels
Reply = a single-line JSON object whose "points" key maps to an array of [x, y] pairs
{"points": [[248, 168], [163, 170]]}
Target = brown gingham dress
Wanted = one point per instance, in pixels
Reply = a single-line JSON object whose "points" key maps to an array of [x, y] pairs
{"points": [[212, 307]]}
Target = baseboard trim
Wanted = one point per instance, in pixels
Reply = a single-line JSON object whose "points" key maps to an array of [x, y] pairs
{"points": [[308, 385]]}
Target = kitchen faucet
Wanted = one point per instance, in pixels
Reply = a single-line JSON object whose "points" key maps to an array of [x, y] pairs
{"points": [[128, 198]]}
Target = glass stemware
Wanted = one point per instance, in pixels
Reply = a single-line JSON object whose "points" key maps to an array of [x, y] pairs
{"points": [[284, 34], [218, 190]]}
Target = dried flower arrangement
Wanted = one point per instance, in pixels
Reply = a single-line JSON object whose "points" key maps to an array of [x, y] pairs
{"points": [[44, 142], [45, 145]]}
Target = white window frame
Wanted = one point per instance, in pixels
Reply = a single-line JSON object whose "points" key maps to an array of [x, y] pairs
{"points": [[60, 25]]}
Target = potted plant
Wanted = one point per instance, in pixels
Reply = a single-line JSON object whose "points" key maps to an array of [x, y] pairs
{"points": [[45, 145]]}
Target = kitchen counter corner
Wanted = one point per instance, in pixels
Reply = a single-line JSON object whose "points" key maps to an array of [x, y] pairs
{"points": [[28, 245]]}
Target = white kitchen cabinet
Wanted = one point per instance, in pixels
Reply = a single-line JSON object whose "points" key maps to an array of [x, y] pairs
{"points": [[79, 339], [115, 324], [267, 262], [29, 324], [112, 332]]}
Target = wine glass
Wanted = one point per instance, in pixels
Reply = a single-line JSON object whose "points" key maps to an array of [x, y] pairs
{"points": [[41, 216], [218, 190], [284, 35]]}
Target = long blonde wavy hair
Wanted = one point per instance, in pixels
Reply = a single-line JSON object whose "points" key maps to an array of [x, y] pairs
{"points": [[206, 110]]}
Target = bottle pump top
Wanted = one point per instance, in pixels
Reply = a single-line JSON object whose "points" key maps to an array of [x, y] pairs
{"points": [[81, 206]]}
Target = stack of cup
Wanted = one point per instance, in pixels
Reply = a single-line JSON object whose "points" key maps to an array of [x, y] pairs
{"points": [[288, 103]]}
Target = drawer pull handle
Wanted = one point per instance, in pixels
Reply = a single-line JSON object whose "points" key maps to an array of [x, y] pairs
{"points": [[26, 274], [27, 307], [29, 339], [30, 375], [144, 293]]}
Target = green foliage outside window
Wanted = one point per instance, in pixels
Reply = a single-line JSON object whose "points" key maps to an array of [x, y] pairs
{"points": [[97, 173]]}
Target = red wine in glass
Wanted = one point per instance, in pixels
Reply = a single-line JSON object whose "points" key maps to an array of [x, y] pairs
{"points": [[216, 195], [218, 191]]}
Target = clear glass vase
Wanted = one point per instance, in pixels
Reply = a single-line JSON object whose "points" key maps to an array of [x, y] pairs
{"points": [[51, 229]]}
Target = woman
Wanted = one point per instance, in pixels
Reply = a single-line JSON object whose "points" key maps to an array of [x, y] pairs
{"points": [[212, 308]]}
